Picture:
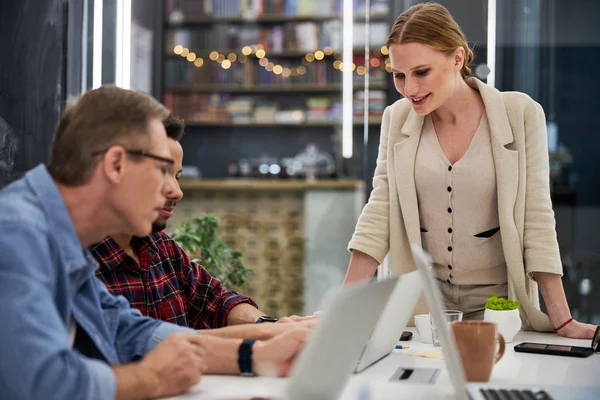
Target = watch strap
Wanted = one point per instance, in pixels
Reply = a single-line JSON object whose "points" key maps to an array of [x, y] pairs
{"points": [[245, 357]]}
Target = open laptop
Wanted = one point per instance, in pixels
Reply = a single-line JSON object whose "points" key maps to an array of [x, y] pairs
{"points": [[477, 391], [328, 358], [392, 321]]}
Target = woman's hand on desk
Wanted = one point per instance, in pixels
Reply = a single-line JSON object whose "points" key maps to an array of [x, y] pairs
{"points": [[577, 330]]}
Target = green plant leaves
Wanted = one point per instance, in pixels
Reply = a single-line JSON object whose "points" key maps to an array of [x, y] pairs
{"points": [[198, 238], [501, 304]]}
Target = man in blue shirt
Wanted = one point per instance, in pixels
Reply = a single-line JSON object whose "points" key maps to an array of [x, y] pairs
{"points": [[108, 172]]}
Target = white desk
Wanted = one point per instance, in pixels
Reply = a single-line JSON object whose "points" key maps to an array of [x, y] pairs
{"points": [[519, 368]]}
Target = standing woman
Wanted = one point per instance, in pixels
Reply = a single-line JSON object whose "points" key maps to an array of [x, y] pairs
{"points": [[463, 171]]}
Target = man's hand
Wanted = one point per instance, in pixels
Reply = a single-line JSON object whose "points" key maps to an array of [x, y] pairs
{"points": [[296, 318], [276, 356], [175, 365], [577, 330]]}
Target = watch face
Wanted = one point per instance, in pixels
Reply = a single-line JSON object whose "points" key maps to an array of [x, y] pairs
{"points": [[596, 340]]}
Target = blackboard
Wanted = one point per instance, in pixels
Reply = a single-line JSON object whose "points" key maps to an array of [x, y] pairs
{"points": [[31, 82]]}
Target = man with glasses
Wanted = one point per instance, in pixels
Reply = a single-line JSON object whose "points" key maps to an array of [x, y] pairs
{"points": [[159, 279], [62, 335]]}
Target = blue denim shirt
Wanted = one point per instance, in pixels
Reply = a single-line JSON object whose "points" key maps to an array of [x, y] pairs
{"points": [[46, 279]]}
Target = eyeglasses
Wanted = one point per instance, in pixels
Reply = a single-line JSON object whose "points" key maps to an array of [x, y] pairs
{"points": [[168, 170]]}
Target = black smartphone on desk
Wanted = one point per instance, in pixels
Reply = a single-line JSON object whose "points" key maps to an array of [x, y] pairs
{"points": [[554, 349]]}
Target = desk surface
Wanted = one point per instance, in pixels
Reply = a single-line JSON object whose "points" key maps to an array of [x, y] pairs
{"points": [[514, 368]]}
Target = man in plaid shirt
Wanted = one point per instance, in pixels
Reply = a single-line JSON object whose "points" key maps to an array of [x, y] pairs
{"points": [[159, 279]]}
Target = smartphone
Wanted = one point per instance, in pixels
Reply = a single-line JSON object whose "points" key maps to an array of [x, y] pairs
{"points": [[406, 335], [554, 349]]}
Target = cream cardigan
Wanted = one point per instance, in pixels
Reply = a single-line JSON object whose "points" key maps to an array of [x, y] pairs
{"points": [[390, 220]]}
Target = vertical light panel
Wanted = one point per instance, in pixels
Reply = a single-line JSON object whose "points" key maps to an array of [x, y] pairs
{"points": [[491, 42], [97, 49], [123, 45], [347, 86]]}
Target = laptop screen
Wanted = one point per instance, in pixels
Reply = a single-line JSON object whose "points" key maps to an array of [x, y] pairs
{"points": [[434, 302]]}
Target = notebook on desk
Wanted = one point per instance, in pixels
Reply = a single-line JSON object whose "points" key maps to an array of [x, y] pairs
{"points": [[487, 391]]}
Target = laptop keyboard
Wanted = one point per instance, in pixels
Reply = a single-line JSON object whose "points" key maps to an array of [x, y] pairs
{"points": [[504, 394]]}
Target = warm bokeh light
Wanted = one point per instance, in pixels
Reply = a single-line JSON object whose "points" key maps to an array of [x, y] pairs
{"points": [[243, 59], [213, 55], [336, 64], [226, 64], [310, 57], [384, 50], [278, 69], [328, 50], [286, 72], [260, 47], [199, 62], [301, 70], [319, 55], [260, 53], [375, 62], [221, 58], [388, 68], [361, 70], [246, 50], [270, 67], [191, 57], [263, 62], [185, 52], [353, 66], [178, 49], [232, 57], [294, 72]]}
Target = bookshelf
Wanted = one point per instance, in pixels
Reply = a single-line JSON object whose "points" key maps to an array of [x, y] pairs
{"points": [[248, 67], [267, 19]]}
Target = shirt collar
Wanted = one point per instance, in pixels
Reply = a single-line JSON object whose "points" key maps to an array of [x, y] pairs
{"points": [[58, 217]]}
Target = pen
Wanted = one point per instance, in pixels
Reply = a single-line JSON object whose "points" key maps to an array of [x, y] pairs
{"points": [[399, 346]]}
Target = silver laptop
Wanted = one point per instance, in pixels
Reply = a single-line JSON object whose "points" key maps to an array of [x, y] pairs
{"points": [[392, 321], [475, 391], [326, 362]]}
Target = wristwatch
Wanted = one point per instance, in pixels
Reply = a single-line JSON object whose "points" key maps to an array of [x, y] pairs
{"points": [[266, 318], [245, 357]]}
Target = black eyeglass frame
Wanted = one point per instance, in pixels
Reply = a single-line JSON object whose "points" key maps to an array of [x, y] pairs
{"points": [[140, 153]]}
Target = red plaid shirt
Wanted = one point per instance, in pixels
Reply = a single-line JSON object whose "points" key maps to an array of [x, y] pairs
{"points": [[165, 285]]}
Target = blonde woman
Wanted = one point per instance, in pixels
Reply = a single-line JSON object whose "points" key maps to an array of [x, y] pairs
{"points": [[462, 170]]}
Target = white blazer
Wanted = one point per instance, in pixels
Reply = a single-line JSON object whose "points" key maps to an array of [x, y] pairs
{"points": [[390, 220]]}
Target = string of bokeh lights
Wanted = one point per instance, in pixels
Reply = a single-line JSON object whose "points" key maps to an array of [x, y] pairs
{"points": [[258, 51]]}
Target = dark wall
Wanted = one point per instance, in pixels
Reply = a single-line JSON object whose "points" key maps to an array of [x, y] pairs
{"points": [[31, 91], [149, 14]]}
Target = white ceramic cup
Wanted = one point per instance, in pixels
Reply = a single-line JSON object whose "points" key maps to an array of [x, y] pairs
{"points": [[423, 325]]}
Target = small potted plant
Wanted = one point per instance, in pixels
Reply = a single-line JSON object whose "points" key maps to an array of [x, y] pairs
{"points": [[505, 313]]}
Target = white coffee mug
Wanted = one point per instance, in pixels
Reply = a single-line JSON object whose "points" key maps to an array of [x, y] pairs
{"points": [[422, 324]]}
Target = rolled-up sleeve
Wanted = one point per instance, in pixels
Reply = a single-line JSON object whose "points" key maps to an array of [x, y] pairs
{"points": [[36, 361]]}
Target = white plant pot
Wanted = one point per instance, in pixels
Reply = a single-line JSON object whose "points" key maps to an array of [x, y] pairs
{"points": [[508, 322]]}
